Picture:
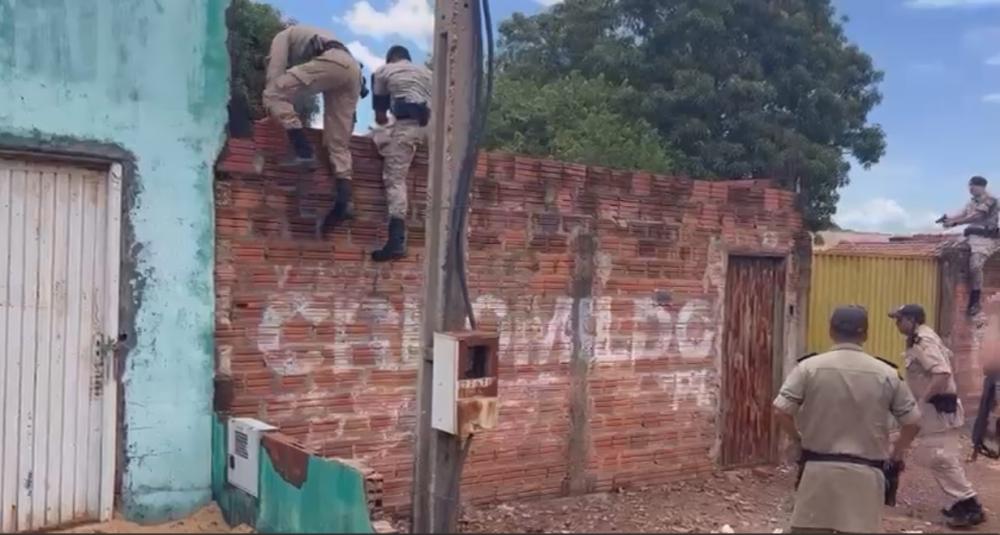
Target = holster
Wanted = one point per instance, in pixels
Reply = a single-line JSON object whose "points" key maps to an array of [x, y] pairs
{"points": [[945, 403], [985, 233], [408, 110], [890, 469]]}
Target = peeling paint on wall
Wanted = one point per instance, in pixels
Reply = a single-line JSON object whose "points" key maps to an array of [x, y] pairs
{"points": [[111, 72]]}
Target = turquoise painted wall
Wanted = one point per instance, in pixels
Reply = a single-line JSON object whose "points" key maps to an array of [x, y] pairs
{"points": [[332, 498], [152, 77]]}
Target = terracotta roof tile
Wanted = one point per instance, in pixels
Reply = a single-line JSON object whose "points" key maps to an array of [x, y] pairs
{"points": [[919, 245]]}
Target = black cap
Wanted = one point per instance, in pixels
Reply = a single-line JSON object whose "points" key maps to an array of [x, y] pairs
{"points": [[978, 181], [914, 312], [849, 320]]}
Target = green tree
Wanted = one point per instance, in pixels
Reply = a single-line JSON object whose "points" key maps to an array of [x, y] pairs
{"points": [[252, 26], [739, 88], [573, 118]]}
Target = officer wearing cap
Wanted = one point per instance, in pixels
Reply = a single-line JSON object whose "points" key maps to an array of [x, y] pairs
{"points": [[981, 219], [835, 407], [929, 374]]}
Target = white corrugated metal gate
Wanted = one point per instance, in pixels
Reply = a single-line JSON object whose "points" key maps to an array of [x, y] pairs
{"points": [[59, 261]]}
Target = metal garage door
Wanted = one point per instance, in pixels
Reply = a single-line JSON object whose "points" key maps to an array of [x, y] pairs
{"points": [[59, 263]]}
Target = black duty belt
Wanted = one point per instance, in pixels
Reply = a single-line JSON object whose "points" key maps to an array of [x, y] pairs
{"points": [[812, 456], [408, 110], [984, 232], [889, 469]]}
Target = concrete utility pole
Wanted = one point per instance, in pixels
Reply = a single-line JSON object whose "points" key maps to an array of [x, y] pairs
{"points": [[456, 52]]}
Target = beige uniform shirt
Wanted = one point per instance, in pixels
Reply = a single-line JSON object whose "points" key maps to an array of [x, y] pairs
{"points": [[984, 211], [925, 358], [403, 80], [292, 46], [842, 401]]}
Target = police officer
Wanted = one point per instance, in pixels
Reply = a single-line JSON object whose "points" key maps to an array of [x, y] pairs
{"points": [[306, 61], [404, 88], [980, 216], [929, 374], [835, 407]]}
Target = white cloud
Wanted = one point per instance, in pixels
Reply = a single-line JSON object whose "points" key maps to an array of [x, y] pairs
{"points": [[994, 61], [992, 98], [410, 19], [880, 214], [365, 55], [549, 3], [933, 4]]}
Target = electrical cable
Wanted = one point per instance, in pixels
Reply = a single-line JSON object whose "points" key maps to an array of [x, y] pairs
{"points": [[482, 100]]}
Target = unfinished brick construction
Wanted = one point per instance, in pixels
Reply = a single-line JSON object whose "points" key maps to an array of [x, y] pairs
{"points": [[607, 288]]}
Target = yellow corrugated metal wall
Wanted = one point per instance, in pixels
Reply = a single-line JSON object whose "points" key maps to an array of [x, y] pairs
{"points": [[879, 283]]}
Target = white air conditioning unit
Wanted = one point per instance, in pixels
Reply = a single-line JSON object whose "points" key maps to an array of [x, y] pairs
{"points": [[243, 467]]}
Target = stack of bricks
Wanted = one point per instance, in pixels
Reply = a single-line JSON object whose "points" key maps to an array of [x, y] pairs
{"points": [[606, 288]]}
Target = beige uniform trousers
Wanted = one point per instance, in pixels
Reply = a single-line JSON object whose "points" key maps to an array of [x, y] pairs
{"points": [[842, 497], [940, 453], [397, 145], [980, 250], [337, 76]]}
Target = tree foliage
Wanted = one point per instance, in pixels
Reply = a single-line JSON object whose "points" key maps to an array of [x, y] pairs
{"points": [[252, 26], [739, 88], [574, 118]]}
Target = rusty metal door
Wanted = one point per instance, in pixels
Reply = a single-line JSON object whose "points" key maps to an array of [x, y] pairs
{"points": [[754, 302]]}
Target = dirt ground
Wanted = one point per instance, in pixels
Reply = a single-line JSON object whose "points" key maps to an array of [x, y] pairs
{"points": [[208, 520], [757, 500]]}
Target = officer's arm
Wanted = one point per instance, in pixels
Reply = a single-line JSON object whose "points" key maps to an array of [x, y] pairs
{"points": [[789, 399], [277, 60], [932, 358], [381, 99], [969, 213], [904, 409]]}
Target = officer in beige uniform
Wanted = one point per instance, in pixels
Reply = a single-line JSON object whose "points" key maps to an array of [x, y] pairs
{"points": [[929, 373], [307, 61], [981, 218], [404, 88], [836, 407]]}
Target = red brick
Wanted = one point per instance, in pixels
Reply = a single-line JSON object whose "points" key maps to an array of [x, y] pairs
{"points": [[326, 344]]}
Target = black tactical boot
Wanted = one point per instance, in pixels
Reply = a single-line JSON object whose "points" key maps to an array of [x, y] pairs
{"points": [[343, 208], [966, 514], [395, 244], [974, 302], [304, 157]]}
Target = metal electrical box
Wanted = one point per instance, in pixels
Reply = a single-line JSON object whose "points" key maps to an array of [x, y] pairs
{"points": [[465, 382], [243, 467]]}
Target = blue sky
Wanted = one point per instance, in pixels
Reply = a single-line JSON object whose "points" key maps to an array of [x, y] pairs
{"points": [[941, 106]]}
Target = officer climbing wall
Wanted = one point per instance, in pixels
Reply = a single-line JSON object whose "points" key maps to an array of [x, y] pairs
{"points": [[306, 61], [404, 88], [980, 216], [929, 374]]}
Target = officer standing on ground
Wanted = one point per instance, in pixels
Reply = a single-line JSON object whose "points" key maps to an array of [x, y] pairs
{"points": [[981, 217], [404, 88], [306, 61], [835, 407], [929, 373]]}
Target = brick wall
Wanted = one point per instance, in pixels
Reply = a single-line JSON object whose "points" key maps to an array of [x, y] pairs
{"points": [[965, 335], [606, 287]]}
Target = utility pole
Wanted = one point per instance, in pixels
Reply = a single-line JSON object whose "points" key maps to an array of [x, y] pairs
{"points": [[456, 53]]}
